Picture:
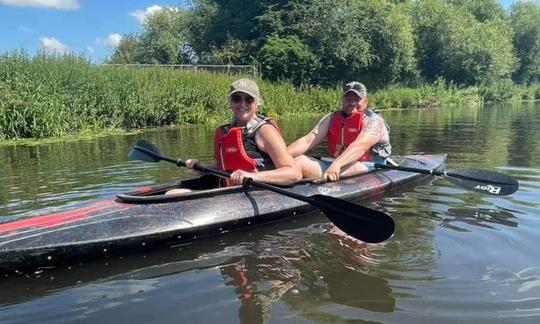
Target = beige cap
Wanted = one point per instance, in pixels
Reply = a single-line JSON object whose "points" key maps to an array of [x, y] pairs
{"points": [[247, 86]]}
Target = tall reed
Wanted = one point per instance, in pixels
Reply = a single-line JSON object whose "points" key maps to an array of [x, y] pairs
{"points": [[50, 95]]}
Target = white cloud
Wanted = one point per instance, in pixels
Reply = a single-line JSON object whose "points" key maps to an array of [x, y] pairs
{"points": [[54, 4], [141, 15], [52, 44], [111, 41], [25, 29]]}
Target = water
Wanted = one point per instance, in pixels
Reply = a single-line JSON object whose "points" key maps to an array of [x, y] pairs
{"points": [[456, 256]]}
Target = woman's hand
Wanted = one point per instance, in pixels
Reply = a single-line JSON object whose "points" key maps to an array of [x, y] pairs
{"points": [[238, 176], [190, 163]]}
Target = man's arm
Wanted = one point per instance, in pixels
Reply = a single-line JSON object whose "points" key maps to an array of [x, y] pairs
{"points": [[311, 139], [372, 132]]}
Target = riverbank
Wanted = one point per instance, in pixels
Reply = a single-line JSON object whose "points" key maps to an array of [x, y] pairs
{"points": [[49, 97]]}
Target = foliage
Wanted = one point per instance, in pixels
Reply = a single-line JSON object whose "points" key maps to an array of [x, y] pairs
{"points": [[483, 10], [453, 44], [50, 96], [163, 41], [369, 38], [288, 58], [328, 42], [525, 20]]}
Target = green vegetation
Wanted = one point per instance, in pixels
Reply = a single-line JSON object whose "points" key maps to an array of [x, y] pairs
{"points": [[327, 42], [51, 96], [420, 53]]}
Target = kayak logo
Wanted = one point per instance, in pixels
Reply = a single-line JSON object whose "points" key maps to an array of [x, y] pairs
{"points": [[231, 149], [352, 130], [328, 190], [489, 188]]}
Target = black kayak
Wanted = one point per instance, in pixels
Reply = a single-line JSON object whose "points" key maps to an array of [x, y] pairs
{"points": [[147, 218]]}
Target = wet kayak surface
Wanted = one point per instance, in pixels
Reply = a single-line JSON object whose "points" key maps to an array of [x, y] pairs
{"points": [[456, 256]]}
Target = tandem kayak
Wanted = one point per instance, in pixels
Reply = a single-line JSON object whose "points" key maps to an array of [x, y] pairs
{"points": [[146, 217]]}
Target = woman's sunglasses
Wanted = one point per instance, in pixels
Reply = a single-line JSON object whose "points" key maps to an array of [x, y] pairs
{"points": [[238, 98]]}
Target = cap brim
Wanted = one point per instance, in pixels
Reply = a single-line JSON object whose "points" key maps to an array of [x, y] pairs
{"points": [[244, 91], [356, 92]]}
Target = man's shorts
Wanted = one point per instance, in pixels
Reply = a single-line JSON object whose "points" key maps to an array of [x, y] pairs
{"points": [[325, 162]]}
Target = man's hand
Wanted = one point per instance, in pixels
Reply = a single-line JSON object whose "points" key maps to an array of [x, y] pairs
{"points": [[332, 173]]}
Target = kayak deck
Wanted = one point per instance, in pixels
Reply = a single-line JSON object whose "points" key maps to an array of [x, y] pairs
{"points": [[146, 217]]}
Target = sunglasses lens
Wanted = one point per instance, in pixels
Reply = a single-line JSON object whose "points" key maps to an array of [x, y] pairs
{"points": [[238, 98]]}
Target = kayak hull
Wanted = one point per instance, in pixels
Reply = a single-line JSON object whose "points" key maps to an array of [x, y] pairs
{"points": [[146, 218]]}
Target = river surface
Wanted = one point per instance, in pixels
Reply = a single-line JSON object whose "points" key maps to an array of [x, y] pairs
{"points": [[456, 256]]}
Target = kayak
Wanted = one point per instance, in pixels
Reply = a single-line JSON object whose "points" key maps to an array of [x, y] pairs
{"points": [[147, 218]]}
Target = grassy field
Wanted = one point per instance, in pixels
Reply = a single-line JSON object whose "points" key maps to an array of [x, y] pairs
{"points": [[48, 96]]}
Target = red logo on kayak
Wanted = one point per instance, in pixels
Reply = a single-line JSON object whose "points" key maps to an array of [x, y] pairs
{"points": [[231, 150], [352, 130]]}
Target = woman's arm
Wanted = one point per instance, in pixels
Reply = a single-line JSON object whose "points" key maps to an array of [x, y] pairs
{"points": [[286, 172]]}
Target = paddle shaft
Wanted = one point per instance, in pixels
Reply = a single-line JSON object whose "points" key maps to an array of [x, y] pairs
{"points": [[251, 182], [445, 173], [224, 174], [395, 167]]}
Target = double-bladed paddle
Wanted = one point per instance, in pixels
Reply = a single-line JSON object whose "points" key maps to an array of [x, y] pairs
{"points": [[363, 223], [487, 182]]}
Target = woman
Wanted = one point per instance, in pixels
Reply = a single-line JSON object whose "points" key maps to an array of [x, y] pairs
{"points": [[250, 146]]}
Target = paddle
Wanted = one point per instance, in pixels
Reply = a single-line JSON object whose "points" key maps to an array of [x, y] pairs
{"points": [[363, 223], [487, 182]]}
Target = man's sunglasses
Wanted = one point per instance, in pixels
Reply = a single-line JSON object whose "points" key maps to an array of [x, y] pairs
{"points": [[238, 98]]}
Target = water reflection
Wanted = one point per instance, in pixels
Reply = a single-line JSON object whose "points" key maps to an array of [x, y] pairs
{"points": [[456, 256], [303, 274], [294, 264], [479, 217]]}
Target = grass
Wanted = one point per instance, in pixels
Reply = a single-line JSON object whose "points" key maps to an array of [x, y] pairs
{"points": [[48, 96]]}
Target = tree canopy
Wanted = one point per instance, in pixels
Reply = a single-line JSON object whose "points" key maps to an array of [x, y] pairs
{"points": [[325, 42]]}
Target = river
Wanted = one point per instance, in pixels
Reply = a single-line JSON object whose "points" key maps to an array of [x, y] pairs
{"points": [[456, 256]]}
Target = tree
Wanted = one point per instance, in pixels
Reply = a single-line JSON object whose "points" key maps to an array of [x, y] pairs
{"points": [[217, 26], [483, 10], [127, 51], [525, 20], [163, 40], [371, 40], [287, 58], [453, 44], [163, 37]]}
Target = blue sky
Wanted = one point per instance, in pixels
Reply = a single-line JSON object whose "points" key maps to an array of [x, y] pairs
{"points": [[92, 27]]}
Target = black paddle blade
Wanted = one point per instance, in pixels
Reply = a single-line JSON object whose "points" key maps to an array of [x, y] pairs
{"points": [[363, 223], [483, 181], [144, 151]]}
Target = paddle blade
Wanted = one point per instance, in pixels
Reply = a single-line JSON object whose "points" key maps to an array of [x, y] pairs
{"points": [[144, 151], [363, 223], [483, 181]]}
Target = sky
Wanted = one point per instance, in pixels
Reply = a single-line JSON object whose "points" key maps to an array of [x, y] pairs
{"points": [[90, 27]]}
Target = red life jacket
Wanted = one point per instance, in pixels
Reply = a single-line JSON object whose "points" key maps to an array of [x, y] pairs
{"points": [[230, 148], [343, 131]]}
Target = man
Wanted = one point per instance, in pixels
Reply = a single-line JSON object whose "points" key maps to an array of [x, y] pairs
{"points": [[356, 137]]}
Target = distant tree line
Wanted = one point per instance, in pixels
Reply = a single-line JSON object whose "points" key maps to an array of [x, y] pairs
{"points": [[325, 42]]}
